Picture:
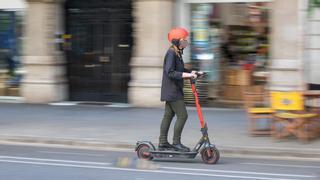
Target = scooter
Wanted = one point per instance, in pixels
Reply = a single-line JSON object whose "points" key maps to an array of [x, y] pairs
{"points": [[209, 153]]}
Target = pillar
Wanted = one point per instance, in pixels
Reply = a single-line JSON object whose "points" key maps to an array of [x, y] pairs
{"points": [[153, 20], [286, 46], [45, 78]]}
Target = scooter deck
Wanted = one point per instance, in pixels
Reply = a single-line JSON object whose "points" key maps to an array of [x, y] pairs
{"points": [[173, 154]]}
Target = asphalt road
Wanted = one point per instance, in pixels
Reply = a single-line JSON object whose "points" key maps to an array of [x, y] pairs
{"points": [[44, 163]]}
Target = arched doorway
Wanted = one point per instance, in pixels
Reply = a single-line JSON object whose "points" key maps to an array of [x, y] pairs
{"points": [[100, 49]]}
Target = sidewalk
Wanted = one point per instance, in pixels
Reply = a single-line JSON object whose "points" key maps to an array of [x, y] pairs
{"points": [[99, 126]]}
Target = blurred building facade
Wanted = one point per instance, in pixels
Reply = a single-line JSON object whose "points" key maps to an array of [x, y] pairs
{"points": [[11, 14], [114, 50]]}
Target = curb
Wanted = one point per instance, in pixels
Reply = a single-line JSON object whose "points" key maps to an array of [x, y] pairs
{"points": [[227, 151]]}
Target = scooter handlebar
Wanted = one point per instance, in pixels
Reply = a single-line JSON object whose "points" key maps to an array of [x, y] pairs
{"points": [[200, 75]]}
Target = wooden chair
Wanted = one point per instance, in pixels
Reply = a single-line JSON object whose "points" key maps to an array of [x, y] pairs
{"points": [[258, 111], [313, 105], [290, 117]]}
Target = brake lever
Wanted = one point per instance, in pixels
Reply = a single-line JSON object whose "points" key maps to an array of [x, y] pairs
{"points": [[201, 75]]}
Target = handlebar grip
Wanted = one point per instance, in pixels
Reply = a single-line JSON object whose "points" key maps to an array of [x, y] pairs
{"points": [[203, 74], [193, 80]]}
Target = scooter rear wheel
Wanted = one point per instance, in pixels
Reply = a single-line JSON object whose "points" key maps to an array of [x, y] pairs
{"points": [[143, 152], [210, 155]]}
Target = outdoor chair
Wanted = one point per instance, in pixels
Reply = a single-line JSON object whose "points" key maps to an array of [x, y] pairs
{"points": [[258, 112], [290, 116]]}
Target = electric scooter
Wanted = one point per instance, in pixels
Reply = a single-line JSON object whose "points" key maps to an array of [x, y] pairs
{"points": [[209, 153]]}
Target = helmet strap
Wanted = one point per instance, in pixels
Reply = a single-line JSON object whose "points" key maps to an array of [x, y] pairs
{"points": [[178, 51]]}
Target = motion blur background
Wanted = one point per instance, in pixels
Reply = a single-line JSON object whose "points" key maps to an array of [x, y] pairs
{"points": [[112, 51]]}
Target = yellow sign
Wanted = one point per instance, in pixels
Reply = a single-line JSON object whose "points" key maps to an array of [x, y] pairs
{"points": [[292, 100], [66, 36]]}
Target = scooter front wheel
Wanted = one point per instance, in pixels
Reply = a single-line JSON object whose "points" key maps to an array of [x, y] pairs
{"points": [[210, 155], [143, 152]]}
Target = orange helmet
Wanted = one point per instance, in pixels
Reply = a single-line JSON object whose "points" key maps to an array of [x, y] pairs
{"points": [[177, 33]]}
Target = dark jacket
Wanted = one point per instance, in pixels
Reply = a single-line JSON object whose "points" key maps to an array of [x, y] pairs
{"points": [[172, 82]]}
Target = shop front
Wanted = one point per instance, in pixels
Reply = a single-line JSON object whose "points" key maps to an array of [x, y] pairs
{"points": [[10, 61], [231, 41]]}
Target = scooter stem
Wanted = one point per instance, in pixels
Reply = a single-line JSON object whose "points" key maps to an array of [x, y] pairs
{"points": [[195, 93]]}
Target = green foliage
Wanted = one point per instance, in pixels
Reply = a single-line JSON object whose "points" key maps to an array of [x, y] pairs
{"points": [[313, 4]]}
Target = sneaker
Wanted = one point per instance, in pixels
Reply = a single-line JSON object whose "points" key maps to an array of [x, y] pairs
{"points": [[181, 147], [165, 147]]}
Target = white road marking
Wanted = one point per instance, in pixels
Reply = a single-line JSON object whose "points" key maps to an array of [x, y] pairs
{"points": [[282, 165], [53, 160], [238, 172], [68, 153], [141, 170], [284, 158], [64, 103], [65, 146]]}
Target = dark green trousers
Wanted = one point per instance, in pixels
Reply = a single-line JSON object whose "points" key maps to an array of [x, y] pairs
{"points": [[173, 108]]}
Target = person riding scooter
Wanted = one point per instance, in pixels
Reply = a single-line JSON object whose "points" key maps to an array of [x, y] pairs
{"points": [[172, 90]]}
